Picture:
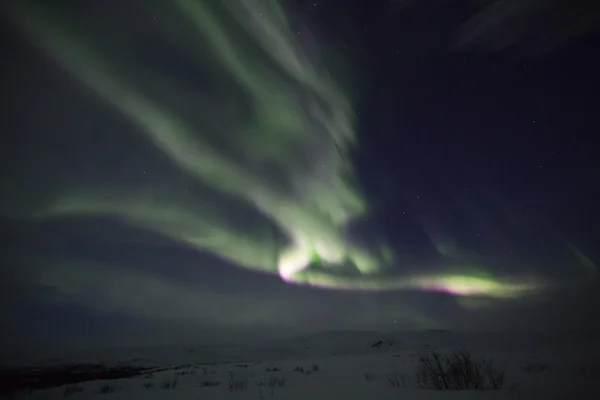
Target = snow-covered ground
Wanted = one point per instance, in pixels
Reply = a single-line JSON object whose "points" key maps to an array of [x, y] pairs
{"points": [[337, 365]]}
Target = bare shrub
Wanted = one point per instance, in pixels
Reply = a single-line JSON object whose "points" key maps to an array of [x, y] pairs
{"points": [[458, 371], [71, 390], [370, 377], [536, 367], [589, 371], [209, 383], [277, 381], [398, 379], [273, 382], [237, 383], [169, 384], [107, 389]]}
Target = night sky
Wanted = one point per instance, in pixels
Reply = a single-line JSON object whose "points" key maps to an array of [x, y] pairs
{"points": [[210, 171]]}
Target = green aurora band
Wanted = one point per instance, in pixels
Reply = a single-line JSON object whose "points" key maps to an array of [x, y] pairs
{"points": [[300, 126]]}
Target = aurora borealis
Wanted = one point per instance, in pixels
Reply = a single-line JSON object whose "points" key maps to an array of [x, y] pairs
{"points": [[232, 140], [300, 126]]}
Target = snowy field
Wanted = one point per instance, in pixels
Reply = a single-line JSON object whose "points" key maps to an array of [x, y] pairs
{"points": [[333, 365]]}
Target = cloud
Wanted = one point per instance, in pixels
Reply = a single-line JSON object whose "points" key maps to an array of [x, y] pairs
{"points": [[531, 27], [528, 27]]}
